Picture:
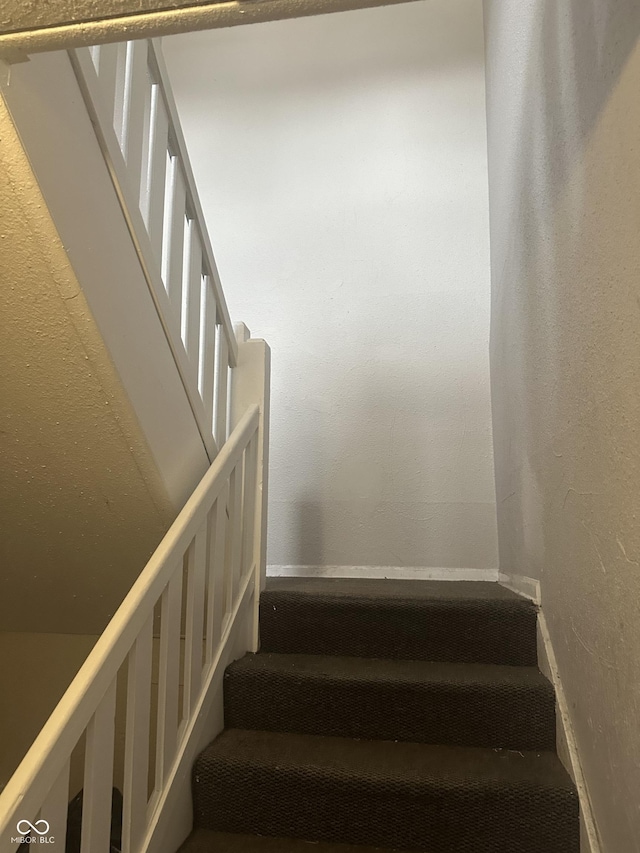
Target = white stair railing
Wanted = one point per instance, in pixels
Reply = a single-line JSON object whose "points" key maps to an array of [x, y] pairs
{"points": [[126, 91], [192, 587], [137, 708]]}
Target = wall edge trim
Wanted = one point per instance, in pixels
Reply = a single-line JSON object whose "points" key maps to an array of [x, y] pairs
{"points": [[381, 572], [566, 741], [528, 587]]}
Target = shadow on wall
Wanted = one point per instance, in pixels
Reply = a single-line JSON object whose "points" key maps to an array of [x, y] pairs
{"points": [[403, 475], [547, 234], [310, 527]]}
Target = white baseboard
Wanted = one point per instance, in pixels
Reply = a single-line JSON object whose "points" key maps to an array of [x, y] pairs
{"points": [[565, 739], [427, 573], [528, 587]]}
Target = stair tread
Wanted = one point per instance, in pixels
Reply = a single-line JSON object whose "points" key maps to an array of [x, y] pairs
{"points": [[404, 672], [466, 622], [386, 762], [481, 705], [208, 841], [402, 715], [391, 588]]}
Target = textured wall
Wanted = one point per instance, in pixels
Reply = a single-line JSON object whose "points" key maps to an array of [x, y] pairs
{"points": [[341, 162], [36, 669], [58, 24], [564, 163], [17, 15], [81, 505]]}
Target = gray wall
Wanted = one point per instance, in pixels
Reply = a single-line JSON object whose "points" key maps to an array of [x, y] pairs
{"points": [[563, 97], [342, 165]]}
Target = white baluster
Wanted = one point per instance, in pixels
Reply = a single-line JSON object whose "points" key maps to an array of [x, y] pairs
{"points": [[238, 527], [206, 376], [168, 678], [222, 388], [235, 529], [119, 92], [107, 68], [173, 239], [136, 751], [194, 625], [231, 544], [249, 506], [192, 297], [153, 187], [55, 806], [137, 94], [94, 51], [212, 597], [217, 604], [98, 776]]}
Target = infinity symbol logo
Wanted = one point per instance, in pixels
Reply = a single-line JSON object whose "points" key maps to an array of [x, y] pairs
{"points": [[34, 826]]}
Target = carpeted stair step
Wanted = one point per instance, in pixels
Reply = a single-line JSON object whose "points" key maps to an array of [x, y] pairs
{"points": [[409, 796], [414, 620], [206, 841], [441, 703]]}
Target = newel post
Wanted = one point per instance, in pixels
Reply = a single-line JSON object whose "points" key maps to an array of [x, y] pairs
{"points": [[251, 384]]}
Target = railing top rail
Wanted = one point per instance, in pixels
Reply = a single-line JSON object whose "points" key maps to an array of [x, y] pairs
{"points": [[160, 67], [45, 759]]}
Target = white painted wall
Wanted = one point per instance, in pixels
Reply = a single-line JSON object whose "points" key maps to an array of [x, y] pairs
{"points": [[341, 161], [56, 132], [564, 125]]}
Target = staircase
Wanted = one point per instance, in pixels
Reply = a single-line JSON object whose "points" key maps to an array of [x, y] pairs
{"points": [[387, 715], [377, 715]]}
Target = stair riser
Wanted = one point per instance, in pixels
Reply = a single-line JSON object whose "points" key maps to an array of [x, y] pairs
{"points": [[464, 818], [483, 716], [496, 632]]}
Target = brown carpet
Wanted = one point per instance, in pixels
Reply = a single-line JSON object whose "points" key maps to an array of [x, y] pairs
{"points": [[412, 620], [468, 704], [205, 841], [389, 716]]}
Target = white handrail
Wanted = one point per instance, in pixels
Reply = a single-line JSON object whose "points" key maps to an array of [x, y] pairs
{"points": [[213, 541], [128, 96]]}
